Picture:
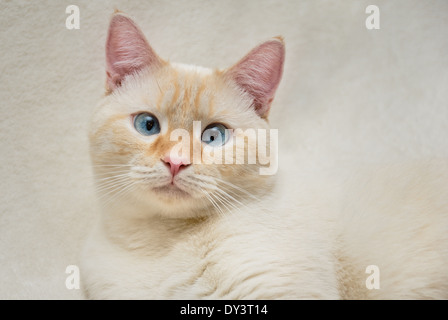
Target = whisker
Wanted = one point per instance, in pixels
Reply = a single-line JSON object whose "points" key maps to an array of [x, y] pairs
{"points": [[229, 196], [104, 190], [237, 188], [111, 187], [200, 185], [110, 172], [104, 180], [227, 186], [134, 170], [213, 202], [113, 177], [221, 200], [124, 190], [223, 197], [111, 165]]}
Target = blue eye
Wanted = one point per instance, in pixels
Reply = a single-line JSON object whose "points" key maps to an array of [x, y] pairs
{"points": [[146, 124], [215, 135]]}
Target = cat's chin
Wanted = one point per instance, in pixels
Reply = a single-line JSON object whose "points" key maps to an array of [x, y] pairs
{"points": [[175, 202]]}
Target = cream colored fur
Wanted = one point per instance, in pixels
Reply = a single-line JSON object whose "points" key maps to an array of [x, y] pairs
{"points": [[349, 97]]}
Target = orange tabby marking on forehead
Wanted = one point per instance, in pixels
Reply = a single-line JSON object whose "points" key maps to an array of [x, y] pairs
{"points": [[186, 103], [173, 105], [200, 89], [211, 106], [160, 99]]}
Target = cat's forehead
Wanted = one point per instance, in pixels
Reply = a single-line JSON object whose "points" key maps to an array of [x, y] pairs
{"points": [[189, 93]]}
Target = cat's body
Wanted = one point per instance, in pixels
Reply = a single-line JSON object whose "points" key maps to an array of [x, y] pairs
{"points": [[294, 244], [194, 231]]}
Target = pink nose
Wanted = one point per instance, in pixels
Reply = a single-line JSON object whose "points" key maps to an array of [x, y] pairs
{"points": [[175, 164]]}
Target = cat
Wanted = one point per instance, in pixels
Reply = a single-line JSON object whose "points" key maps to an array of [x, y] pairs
{"points": [[173, 228]]}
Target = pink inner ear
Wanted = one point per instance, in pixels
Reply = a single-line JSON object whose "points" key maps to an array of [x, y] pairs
{"points": [[259, 73], [127, 50]]}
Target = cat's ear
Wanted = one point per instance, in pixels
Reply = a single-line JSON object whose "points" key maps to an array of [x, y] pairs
{"points": [[259, 73], [127, 51]]}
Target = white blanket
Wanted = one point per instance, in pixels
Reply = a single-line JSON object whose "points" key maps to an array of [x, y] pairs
{"points": [[348, 94]]}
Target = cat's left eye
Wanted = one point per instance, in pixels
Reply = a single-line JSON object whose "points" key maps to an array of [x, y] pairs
{"points": [[146, 124], [215, 135]]}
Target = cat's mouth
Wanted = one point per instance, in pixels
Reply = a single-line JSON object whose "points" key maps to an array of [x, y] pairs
{"points": [[171, 190]]}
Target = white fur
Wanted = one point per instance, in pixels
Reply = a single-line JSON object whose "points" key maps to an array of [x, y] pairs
{"points": [[193, 68]]}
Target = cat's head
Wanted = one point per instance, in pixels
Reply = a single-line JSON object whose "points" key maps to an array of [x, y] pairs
{"points": [[160, 125]]}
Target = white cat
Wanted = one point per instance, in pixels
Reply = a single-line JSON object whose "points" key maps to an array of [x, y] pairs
{"points": [[171, 228]]}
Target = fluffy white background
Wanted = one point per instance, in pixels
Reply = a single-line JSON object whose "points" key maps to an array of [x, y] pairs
{"points": [[349, 95]]}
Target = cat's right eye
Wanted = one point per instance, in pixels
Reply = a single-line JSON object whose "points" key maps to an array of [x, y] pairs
{"points": [[146, 124], [215, 135]]}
